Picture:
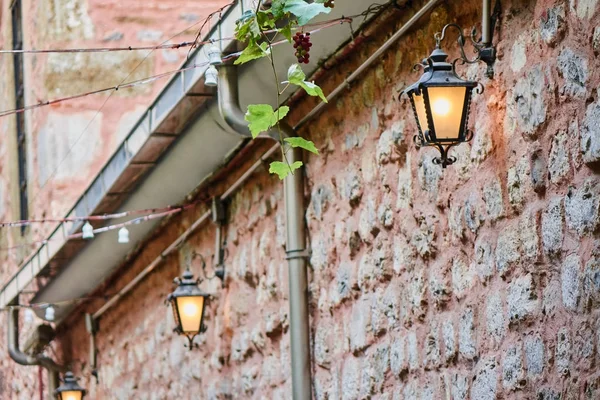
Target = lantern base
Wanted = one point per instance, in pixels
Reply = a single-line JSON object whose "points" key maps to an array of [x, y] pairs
{"points": [[191, 345], [444, 160]]}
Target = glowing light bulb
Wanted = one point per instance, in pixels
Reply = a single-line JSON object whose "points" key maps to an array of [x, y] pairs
{"points": [[441, 107], [190, 310]]}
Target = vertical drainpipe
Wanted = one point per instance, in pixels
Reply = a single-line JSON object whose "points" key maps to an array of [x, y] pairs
{"points": [[24, 359], [486, 29], [233, 115]]}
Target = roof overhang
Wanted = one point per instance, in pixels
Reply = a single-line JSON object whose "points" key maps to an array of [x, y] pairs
{"points": [[180, 142]]}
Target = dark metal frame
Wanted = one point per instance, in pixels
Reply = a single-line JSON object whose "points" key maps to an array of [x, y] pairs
{"points": [[69, 385], [17, 44]]}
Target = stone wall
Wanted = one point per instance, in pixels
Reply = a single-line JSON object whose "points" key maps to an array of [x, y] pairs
{"points": [[479, 281]]}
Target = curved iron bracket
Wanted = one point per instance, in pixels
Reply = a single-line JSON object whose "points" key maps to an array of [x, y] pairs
{"points": [[485, 51]]}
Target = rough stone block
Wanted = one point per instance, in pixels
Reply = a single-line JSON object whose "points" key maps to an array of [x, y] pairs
{"points": [[367, 225], [449, 338], [375, 366], [571, 282], [432, 356], [353, 186], [466, 334], [552, 226], [590, 134], [482, 142], [591, 283], [486, 380], [582, 207], [528, 227], [483, 258], [553, 24], [399, 355], [351, 378], [429, 174], [460, 387], [492, 195], [528, 96], [522, 298], [563, 352], [513, 374], [472, 213], [495, 321], [558, 161], [423, 238], [507, 248], [538, 171], [404, 256], [359, 328], [583, 345], [534, 355], [573, 67], [462, 277], [412, 348], [405, 192]]}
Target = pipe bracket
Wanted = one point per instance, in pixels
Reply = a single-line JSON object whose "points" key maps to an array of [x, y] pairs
{"points": [[295, 254]]}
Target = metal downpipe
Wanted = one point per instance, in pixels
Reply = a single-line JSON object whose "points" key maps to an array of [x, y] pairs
{"points": [[486, 29], [23, 359], [233, 115]]}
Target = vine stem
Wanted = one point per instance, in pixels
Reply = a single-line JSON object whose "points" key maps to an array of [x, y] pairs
{"points": [[277, 87]]}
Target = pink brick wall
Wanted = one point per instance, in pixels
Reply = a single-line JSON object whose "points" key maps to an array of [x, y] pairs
{"points": [[479, 281]]}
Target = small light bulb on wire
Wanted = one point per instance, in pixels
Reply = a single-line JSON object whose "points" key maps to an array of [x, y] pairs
{"points": [[87, 232], [50, 313], [211, 76], [123, 236]]}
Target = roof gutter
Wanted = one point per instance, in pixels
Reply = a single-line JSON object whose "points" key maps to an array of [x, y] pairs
{"points": [[24, 359], [230, 110]]}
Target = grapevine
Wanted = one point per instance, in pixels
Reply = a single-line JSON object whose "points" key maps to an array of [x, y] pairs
{"points": [[284, 17]]}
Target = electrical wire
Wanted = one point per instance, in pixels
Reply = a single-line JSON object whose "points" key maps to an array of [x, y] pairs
{"points": [[104, 229]]}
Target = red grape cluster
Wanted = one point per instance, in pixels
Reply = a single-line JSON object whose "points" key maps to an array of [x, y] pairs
{"points": [[302, 45], [329, 3]]}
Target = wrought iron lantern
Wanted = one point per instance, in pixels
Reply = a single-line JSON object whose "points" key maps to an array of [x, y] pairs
{"points": [[441, 100], [188, 302], [70, 389]]}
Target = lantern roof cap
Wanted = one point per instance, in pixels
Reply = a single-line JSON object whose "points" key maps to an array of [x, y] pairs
{"points": [[69, 384], [187, 286]]}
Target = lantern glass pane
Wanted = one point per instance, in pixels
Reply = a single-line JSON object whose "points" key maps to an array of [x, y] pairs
{"points": [[71, 395], [190, 312], [421, 115], [447, 110]]}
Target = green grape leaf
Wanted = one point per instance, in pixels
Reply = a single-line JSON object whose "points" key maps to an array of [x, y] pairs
{"points": [[247, 28], [283, 169], [253, 51], [313, 90], [265, 19], [302, 143], [262, 117], [304, 11], [277, 7], [296, 76], [286, 31]]}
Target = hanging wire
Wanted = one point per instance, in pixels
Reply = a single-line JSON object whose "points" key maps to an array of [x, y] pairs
{"points": [[104, 229]]}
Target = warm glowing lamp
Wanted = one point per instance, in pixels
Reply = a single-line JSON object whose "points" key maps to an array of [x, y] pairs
{"points": [[188, 303], [441, 101]]}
